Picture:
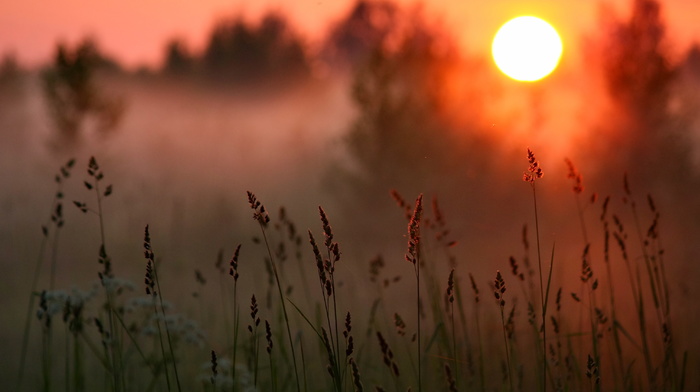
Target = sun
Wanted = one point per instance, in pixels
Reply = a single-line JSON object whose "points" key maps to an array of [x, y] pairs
{"points": [[527, 48]]}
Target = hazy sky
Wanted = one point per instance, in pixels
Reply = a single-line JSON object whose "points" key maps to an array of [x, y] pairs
{"points": [[135, 31]]}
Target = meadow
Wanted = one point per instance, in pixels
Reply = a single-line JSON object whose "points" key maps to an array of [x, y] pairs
{"points": [[272, 312], [394, 215]]}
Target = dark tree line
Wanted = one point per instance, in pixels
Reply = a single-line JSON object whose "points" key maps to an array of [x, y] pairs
{"points": [[241, 53]]}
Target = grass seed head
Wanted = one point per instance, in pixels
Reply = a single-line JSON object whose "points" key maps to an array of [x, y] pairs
{"points": [[414, 232], [534, 171], [451, 287], [451, 383], [475, 289], [356, 375], [400, 325], [268, 336], [401, 202], [327, 231], [500, 289], [592, 370], [575, 175], [233, 265], [514, 268], [260, 214], [214, 365]]}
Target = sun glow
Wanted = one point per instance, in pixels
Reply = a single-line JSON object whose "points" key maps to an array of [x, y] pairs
{"points": [[527, 48]]}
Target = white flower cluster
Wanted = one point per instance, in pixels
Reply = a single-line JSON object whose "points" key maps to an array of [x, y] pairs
{"points": [[55, 302], [224, 376], [185, 329], [114, 285], [180, 328]]}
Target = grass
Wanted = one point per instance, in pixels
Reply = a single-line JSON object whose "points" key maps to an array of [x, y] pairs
{"points": [[115, 339]]}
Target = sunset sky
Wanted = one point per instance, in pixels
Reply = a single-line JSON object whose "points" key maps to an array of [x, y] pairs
{"points": [[135, 31]]}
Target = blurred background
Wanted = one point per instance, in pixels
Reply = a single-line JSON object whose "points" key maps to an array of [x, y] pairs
{"points": [[187, 106]]}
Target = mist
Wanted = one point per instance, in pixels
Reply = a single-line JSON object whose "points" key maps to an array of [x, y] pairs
{"points": [[414, 114]]}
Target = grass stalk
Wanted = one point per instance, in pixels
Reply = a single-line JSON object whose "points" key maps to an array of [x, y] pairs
{"points": [[413, 256], [500, 289], [535, 172], [262, 218], [56, 217]]}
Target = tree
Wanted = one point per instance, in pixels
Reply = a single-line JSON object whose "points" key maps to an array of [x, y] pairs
{"points": [[73, 96], [354, 38], [636, 66], [240, 53], [403, 136], [178, 60]]}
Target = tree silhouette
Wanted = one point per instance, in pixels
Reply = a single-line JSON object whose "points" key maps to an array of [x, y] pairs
{"points": [[240, 53], [74, 97], [353, 39], [640, 79], [178, 60], [646, 137], [636, 66], [403, 137]]}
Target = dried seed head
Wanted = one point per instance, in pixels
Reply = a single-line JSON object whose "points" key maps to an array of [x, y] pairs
{"points": [[356, 375], [605, 208], [576, 176], [526, 243], [149, 281], [592, 370], [558, 301], [666, 335], [401, 203], [148, 252], [253, 313], [375, 267], [414, 232], [500, 289], [534, 171], [510, 323], [268, 336], [350, 346], [451, 287], [214, 371], [600, 316], [652, 205], [387, 355], [400, 325], [233, 264], [555, 325], [586, 271], [199, 278], [514, 268], [327, 231], [452, 384], [260, 214], [531, 313], [474, 288]]}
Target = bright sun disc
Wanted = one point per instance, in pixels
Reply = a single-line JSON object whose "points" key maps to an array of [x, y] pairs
{"points": [[526, 48]]}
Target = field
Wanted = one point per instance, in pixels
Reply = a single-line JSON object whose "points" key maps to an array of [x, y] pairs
{"points": [[283, 308], [381, 210]]}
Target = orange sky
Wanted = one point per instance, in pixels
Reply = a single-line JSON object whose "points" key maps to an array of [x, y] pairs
{"points": [[135, 31]]}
